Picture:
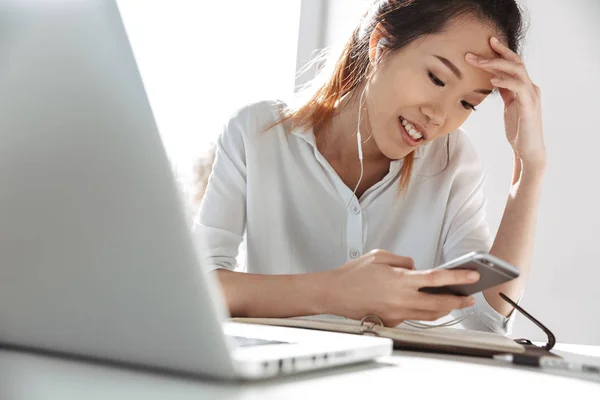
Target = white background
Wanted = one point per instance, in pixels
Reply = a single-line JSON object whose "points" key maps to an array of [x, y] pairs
{"points": [[200, 60]]}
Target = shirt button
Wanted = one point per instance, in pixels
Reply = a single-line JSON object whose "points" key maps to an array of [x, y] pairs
{"points": [[355, 209], [354, 253]]}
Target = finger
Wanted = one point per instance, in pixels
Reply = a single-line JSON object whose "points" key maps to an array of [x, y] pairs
{"points": [[442, 302], [394, 260], [474, 61], [519, 88], [504, 51], [444, 277], [501, 65], [501, 74], [506, 83], [504, 66]]}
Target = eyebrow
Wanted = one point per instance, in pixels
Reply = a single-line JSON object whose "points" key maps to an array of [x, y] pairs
{"points": [[459, 74]]}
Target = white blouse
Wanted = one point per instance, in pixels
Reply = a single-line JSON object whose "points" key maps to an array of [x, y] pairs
{"points": [[277, 193]]}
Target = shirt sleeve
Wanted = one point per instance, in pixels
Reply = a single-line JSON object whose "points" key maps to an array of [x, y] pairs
{"points": [[466, 230], [220, 224]]}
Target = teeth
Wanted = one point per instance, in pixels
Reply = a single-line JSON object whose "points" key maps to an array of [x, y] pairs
{"points": [[413, 134], [411, 130]]}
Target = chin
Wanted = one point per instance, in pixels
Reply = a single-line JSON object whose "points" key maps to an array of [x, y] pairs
{"points": [[394, 150]]}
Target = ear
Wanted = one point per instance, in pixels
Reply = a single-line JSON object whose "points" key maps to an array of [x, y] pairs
{"points": [[376, 44]]}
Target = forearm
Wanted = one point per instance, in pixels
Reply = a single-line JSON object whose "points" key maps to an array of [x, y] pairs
{"points": [[515, 237], [254, 295]]}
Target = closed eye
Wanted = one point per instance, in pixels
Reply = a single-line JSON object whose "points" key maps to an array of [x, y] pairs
{"points": [[438, 82], [468, 105]]}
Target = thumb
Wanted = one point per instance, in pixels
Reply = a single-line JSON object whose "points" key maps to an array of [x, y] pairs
{"points": [[405, 263], [393, 260]]}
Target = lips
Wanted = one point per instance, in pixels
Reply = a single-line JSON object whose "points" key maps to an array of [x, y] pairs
{"points": [[406, 136], [412, 125]]}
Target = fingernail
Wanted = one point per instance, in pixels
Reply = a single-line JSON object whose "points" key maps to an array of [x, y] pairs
{"points": [[495, 40], [483, 61], [473, 276], [471, 301], [471, 56]]}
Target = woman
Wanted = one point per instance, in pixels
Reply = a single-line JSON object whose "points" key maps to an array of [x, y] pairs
{"points": [[348, 199]]}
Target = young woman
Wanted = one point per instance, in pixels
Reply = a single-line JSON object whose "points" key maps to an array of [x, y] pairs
{"points": [[348, 200]]}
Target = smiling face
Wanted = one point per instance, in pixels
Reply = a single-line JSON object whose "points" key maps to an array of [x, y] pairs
{"points": [[427, 87]]}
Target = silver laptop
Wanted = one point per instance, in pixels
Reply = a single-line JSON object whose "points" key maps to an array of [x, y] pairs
{"points": [[96, 254]]}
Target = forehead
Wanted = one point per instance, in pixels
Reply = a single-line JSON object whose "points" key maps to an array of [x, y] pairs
{"points": [[461, 35]]}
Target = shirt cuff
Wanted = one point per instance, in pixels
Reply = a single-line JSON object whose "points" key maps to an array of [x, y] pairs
{"points": [[491, 318]]}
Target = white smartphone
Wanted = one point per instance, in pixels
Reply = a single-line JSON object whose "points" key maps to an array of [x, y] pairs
{"points": [[493, 271]]}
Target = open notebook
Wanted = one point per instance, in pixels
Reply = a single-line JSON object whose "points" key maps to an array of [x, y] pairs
{"points": [[443, 340]]}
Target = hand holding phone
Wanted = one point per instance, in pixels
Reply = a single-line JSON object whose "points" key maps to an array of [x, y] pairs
{"points": [[492, 270]]}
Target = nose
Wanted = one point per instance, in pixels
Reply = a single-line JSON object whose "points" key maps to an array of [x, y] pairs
{"points": [[435, 114]]}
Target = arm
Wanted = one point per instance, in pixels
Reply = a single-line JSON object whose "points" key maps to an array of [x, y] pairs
{"points": [[254, 295], [514, 240], [378, 283], [465, 228], [221, 223], [219, 229], [523, 126]]}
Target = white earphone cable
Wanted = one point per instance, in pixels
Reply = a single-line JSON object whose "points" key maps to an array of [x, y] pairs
{"points": [[421, 325], [359, 144]]}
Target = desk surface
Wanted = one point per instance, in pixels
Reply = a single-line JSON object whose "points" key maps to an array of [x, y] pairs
{"points": [[33, 376]]}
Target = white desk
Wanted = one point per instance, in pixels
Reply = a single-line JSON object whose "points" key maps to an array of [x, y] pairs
{"points": [[404, 375]]}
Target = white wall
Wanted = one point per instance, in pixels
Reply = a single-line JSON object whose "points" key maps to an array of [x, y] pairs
{"points": [[311, 32], [563, 57], [200, 60]]}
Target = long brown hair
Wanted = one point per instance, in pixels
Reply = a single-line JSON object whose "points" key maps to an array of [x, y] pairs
{"points": [[403, 21]]}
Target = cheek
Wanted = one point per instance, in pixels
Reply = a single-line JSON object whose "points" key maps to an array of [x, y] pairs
{"points": [[411, 87], [454, 122], [398, 88]]}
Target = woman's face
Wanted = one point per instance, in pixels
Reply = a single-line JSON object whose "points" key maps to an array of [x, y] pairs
{"points": [[428, 85]]}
